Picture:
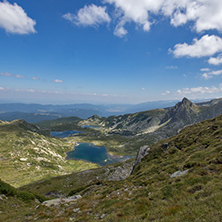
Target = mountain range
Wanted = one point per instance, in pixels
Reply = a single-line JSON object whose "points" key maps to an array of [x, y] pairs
{"points": [[34, 113], [163, 122]]}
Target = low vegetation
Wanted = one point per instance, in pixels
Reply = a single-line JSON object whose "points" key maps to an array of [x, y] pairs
{"points": [[179, 180], [28, 154]]}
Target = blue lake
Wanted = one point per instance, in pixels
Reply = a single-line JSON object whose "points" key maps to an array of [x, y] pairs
{"points": [[89, 152], [64, 134]]}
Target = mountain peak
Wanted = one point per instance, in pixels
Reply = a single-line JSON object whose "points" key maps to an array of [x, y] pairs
{"points": [[187, 101], [183, 110]]}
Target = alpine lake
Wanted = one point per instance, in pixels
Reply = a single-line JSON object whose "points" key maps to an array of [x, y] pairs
{"points": [[88, 151]]}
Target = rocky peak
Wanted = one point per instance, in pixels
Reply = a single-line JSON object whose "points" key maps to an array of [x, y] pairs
{"points": [[181, 111], [186, 103]]}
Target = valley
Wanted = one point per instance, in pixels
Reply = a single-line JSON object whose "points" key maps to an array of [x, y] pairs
{"points": [[175, 175]]}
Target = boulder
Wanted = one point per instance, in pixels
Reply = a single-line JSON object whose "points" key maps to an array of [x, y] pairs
{"points": [[144, 150]]}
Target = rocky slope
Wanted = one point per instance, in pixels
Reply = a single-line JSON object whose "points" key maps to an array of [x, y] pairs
{"points": [[165, 122]]}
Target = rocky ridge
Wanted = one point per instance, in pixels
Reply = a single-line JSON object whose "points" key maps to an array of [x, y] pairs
{"points": [[164, 122]]}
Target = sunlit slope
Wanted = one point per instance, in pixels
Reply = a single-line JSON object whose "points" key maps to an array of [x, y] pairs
{"points": [[28, 154], [178, 180]]}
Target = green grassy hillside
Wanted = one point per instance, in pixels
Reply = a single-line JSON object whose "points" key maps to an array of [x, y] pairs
{"points": [[61, 124], [28, 154], [179, 180]]}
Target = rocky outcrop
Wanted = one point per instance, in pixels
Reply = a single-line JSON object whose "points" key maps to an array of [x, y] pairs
{"points": [[60, 201], [178, 173], [144, 150], [121, 172]]}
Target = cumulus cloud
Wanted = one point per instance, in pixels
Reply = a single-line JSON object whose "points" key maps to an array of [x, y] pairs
{"points": [[134, 11], [206, 46], [204, 15], [215, 61], [199, 90], [120, 31], [91, 15], [58, 81], [209, 75], [14, 19]]}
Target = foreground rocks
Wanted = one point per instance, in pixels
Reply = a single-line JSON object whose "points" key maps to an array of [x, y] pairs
{"points": [[60, 201]]}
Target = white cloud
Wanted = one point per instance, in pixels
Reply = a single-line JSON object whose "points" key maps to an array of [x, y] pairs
{"points": [[35, 77], [12, 75], [5, 74], [215, 61], [205, 70], [120, 31], [206, 46], [58, 81], [199, 90], [1, 88], [14, 19], [209, 75], [171, 67], [204, 14], [166, 93], [134, 11], [91, 15], [143, 88], [20, 77]]}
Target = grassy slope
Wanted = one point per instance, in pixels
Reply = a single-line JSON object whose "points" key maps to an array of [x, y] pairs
{"points": [[150, 194], [60, 124], [27, 155]]}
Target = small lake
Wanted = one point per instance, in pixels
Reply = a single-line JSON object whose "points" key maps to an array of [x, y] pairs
{"points": [[64, 134], [88, 151], [95, 154], [91, 127]]}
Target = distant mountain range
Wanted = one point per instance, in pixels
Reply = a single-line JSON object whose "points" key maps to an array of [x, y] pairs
{"points": [[165, 122], [34, 113]]}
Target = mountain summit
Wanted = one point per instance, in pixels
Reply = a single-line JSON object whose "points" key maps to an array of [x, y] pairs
{"points": [[182, 111]]}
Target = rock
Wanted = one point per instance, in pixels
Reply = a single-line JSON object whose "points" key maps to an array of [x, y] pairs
{"points": [[178, 173], [76, 210], [120, 172], [3, 197], [72, 198], [23, 159], [144, 150], [102, 216], [59, 201], [51, 203]]}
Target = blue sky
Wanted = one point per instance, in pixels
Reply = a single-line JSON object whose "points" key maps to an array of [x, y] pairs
{"points": [[110, 51]]}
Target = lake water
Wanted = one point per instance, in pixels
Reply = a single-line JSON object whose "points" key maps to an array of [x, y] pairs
{"points": [[64, 134], [89, 152]]}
